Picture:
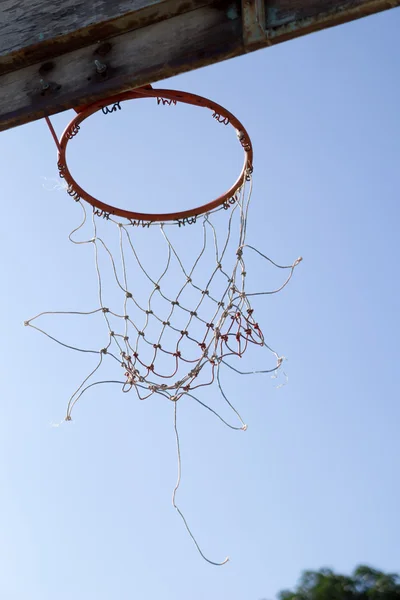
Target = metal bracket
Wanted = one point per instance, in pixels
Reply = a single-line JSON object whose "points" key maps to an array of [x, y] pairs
{"points": [[254, 23]]}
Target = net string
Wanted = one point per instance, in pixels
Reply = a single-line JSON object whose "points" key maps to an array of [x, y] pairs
{"points": [[174, 303], [177, 485], [229, 331], [245, 330]]}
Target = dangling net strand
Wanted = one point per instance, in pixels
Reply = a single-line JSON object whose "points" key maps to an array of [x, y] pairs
{"points": [[28, 323], [74, 398], [214, 412], [178, 482]]}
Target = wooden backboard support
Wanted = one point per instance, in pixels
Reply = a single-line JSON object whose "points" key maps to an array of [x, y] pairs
{"points": [[59, 54]]}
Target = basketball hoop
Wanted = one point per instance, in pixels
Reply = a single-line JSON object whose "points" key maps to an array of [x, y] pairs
{"points": [[181, 323], [219, 113]]}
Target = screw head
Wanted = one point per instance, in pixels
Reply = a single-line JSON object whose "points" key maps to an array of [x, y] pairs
{"points": [[100, 67], [44, 84]]}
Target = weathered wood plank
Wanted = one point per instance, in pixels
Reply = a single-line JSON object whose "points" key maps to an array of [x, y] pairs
{"points": [[38, 30], [309, 20], [282, 12], [300, 14]]}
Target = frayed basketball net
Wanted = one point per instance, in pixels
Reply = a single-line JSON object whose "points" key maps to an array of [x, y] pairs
{"points": [[174, 329]]}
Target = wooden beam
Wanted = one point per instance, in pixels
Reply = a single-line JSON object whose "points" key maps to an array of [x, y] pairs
{"points": [[197, 36], [38, 30]]}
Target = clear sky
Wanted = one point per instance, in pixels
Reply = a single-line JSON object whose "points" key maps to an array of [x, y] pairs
{"points": [[86, 507]]}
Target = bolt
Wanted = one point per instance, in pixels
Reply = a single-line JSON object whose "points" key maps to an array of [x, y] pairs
{"points": [[44, 84], [100, 67]]}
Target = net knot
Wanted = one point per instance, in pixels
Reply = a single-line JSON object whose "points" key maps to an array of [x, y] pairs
{"points": [[184, 332], [128, 295], [126, 317], [112, 334], [194, 372], [141, 333], [221, 304], [103, 351], [174, 302], [250, 311], [156, 287], [296, 262], [157, 346], [193, 313], [219, 265], [189, 280], [126, 338], [26, 323], [158, 386], [205, 292], [177, 354], [105, 310], [68, 418], [210, 325], [239, 253], [149, 312], [244, 273], [166, 323], [130, 378]]}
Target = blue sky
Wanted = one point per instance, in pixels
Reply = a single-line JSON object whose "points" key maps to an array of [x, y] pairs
{"points": [[86, 507]]}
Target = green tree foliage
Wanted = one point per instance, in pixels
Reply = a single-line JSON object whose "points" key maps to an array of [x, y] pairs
{"points": [[364, 584]]}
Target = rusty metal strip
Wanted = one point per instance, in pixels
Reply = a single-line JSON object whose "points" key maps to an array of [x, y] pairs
{"points": [[253, 19]]}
